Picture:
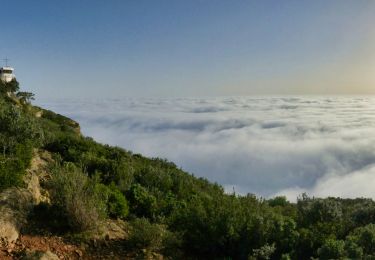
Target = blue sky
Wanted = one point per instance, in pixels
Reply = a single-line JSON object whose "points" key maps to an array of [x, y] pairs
{"points": [[190, 48]]}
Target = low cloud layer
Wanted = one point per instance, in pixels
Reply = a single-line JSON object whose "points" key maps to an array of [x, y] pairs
{"points": [[323, 146]]}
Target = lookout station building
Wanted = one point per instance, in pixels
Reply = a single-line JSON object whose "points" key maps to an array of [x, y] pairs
{"points": [[6, 74]]}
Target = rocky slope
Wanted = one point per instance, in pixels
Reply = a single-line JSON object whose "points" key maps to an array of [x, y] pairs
{"points": [[21, 237]]}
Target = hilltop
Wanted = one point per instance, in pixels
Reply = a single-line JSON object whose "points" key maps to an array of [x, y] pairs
{"points": [[65, 195]]}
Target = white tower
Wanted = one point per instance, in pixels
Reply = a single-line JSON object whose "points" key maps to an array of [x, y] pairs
{"points": [[6, 74]]}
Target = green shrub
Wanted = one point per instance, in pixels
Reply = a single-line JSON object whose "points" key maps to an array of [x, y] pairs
{"points": [[10, 173], [145, 235], [143, 203], [75, 194], [59, 119], [353, 250], [285, 257], [364, 237], [12, 86], [332, 249], [19, 134], [12, 168], [278, 201], [117, 205], [115, 201], [265, 252]]}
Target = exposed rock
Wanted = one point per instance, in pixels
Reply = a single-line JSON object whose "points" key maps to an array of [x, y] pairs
{"points": [[79, 252], [112, 230], [39, 113], [149, 255], [37, 173], [33, 187], [16, 203], [39, 255]]}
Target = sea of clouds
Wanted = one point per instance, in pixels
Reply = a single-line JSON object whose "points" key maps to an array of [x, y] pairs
{"points": [[324, 146]]}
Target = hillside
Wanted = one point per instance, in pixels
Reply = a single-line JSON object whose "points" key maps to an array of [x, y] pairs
{"points": [[63, 192]]}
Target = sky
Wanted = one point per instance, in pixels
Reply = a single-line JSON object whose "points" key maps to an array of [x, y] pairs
{"points": [[190, 48]]}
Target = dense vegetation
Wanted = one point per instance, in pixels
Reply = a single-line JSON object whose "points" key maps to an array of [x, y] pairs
{"points": [[169, 210], [19, 133]]}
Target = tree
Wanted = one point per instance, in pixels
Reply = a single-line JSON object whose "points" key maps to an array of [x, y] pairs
{"points": [[25, 97], [364, 237], [265, 252], [12, 86], [332, 249]]}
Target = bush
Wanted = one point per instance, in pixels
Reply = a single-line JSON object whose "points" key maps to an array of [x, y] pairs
{"points": [[12, 168], [332, 249], [10, 173], [353, 250], [117, 205], [145, 235], [143, 203], [75, 194], [12, 86], [278, 201], [150, 238], [265, 252], [115, 201], [364, 237], [19, 134]]}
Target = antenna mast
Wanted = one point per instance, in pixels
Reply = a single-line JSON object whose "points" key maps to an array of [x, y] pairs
{"points": [[6, 62]]}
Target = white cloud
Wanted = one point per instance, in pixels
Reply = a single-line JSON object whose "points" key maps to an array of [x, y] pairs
{"points": [[320, 145], [354, 184]]}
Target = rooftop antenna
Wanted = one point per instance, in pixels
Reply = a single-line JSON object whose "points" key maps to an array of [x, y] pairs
{"points": [[6, 62]]}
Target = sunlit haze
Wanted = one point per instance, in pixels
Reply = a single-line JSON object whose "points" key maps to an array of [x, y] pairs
{"points": [[190, 48]]}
